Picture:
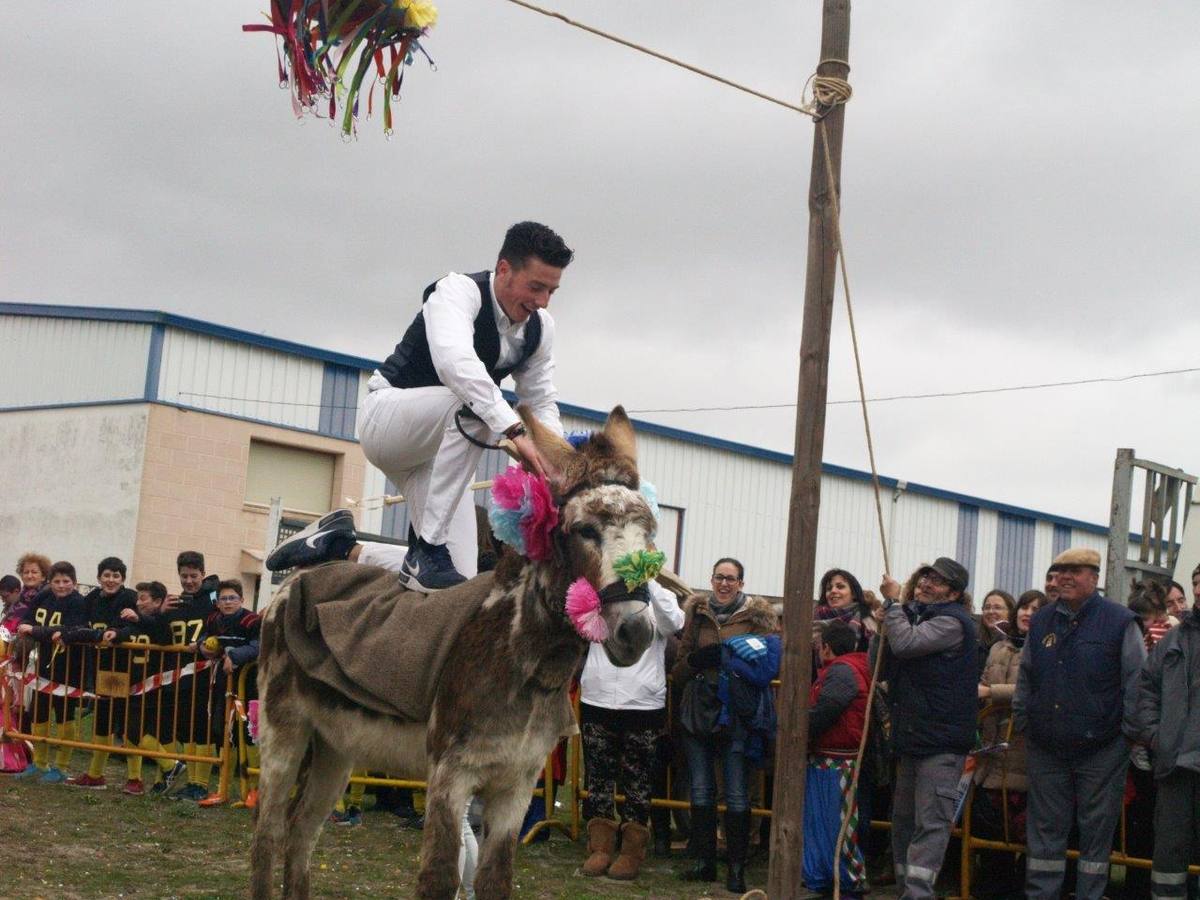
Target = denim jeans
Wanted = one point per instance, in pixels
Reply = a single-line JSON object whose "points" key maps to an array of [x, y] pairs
{"points": [[702, 755]]}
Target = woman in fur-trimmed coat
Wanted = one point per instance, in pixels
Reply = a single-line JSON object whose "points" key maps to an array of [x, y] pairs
{"points": [[710, 619]]}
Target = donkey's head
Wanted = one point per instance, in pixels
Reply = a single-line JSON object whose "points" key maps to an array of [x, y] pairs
{"points": [[604, 521]]}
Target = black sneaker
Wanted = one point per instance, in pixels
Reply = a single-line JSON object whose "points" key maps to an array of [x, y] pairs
{"points": [[166, 779], [192, 793], [330, 537], [427, 568]]}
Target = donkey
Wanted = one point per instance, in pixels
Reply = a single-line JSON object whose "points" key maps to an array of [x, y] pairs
{"points": [[501, 699]]}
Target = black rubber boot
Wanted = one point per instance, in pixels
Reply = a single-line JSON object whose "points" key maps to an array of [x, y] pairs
{"points": [[704, 845], [737, 841]]}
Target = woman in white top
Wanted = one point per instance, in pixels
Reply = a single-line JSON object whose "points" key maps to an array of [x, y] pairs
{"points": [[622, 713]]}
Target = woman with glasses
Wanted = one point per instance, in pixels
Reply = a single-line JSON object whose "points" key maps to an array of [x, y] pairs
{"points": [[711, 619], [999, 809], [995, 622]]}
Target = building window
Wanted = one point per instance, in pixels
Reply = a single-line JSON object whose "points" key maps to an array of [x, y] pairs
{"points": [[302, 478], [670, 535]]}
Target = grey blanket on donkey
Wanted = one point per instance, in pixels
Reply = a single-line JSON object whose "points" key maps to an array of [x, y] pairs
{"points": [[355, 629]]}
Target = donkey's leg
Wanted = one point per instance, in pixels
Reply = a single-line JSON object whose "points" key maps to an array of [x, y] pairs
{"points": [[445, 799], [283, 750], [326, 779], [503, 812]]}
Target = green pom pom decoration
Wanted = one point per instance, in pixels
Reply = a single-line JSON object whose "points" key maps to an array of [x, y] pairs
{"points": [[638, 567]]}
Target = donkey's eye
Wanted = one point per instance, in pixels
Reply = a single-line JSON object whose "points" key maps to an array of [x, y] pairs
{"points": [[588, 533]]}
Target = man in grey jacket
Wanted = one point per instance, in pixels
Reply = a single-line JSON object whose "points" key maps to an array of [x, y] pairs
{"points": [[1169, 710]]}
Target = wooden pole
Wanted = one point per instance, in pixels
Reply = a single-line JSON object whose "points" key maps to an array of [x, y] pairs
{"points": [[791, 755]]}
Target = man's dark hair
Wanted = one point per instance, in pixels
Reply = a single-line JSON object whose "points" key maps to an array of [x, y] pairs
{"points": [[155, 589], [9, 583], [733, 562], [63, 568], [231, 584], [526, 239], [840, 637], [192, 559], [111, 564]]}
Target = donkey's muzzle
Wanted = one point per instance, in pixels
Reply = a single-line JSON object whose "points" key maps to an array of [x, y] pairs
{"points": [[631, 628], [618, 593]]}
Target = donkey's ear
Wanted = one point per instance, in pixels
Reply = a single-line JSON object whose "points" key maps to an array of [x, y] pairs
{"points": [[553, 447], [619, 430]]}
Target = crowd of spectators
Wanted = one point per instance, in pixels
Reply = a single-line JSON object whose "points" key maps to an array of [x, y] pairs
{"points": [[1062, 708], [86, 666]]}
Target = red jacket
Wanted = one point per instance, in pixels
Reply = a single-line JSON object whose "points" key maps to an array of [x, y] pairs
{"points": [[845, 734]]}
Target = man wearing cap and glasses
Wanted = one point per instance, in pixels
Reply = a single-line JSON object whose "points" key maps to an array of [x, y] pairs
{"points": [[1076, 700], [932, 674]]}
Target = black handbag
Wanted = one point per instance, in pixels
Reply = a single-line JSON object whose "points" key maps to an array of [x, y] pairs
{"points": [[700, 707]]}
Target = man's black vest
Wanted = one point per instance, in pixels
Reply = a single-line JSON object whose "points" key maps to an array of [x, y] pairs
{"points": [[935, 698], [1075, 701], [410, 365]]}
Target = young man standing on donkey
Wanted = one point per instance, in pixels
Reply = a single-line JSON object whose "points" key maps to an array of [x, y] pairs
{"points": [[435, 403]]}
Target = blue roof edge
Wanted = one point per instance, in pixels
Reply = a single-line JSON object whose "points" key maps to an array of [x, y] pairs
{"points": [[157, 317]]}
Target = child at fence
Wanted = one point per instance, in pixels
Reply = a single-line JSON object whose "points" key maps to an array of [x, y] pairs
{"points": [[10, 590], [147, 626], [53, 612], [229, 640], [185, 711], [104, 667], [14, 754]]}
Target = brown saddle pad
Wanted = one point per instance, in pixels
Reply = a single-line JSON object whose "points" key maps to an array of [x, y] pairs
{"points": [[355, 629]]}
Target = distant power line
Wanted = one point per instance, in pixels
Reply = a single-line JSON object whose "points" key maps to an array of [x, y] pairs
{"points": [[969, 393], [1114, 379]]}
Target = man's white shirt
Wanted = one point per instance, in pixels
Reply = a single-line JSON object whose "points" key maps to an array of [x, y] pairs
{"points": [[450, 315]]}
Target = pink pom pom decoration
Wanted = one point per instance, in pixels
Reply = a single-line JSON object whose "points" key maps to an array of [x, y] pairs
{"points": [[540, 521], [583, 609]]}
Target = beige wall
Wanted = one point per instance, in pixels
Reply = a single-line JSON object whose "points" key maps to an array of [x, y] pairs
{"points": [[194, 486]]}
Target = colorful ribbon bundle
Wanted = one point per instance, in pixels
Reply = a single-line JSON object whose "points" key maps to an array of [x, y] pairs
{"points": [[523, 513], [324, 40]]}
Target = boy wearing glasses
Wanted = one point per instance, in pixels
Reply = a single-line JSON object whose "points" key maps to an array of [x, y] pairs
{"points": [[932, 673]]}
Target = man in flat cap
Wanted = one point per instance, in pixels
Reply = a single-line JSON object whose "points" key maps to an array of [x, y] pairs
{"points": [[1076, 701], [932, 672]]}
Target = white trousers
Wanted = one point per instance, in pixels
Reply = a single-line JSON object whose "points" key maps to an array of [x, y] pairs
{"points": [[409, 434]]}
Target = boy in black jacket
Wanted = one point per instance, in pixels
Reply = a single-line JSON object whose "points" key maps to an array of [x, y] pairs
{"points": [[185, 710], [53, 612], [106, 668], [148, 627], [230, 639]]}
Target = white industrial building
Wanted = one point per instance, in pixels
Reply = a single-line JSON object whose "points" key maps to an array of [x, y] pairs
{"points": [[140, 433]]}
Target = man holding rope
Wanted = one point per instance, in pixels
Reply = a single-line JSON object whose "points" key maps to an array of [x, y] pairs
{"points": [[933, 678], [434, 405]]}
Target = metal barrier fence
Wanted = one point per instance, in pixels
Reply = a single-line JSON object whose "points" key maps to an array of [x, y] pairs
{"points": [[169, 692], [95, 694]]}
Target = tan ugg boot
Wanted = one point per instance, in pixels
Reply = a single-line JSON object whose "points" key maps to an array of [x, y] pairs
{"points": [[634, 838], [602, 842]]}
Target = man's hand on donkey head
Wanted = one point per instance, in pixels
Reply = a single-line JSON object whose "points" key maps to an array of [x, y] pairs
{"points": [[531, 458]]}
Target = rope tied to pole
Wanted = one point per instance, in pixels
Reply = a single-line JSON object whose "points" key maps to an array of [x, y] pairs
{"points": [[821, 93]]}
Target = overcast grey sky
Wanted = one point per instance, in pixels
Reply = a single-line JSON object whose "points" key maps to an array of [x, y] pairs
{"points": [[1021, 193]]}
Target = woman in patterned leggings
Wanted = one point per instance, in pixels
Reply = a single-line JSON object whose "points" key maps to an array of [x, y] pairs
{"points": [[622, 714]]}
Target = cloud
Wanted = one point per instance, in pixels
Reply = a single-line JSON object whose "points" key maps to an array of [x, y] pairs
{"points": [[1018, 185]]}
